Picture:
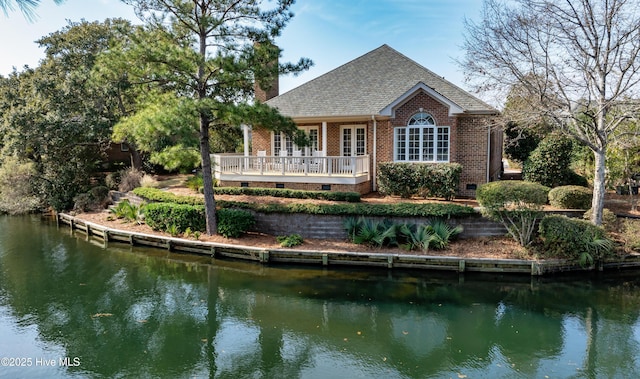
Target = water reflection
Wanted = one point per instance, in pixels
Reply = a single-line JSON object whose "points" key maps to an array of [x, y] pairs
{"points": [[129, 312]]}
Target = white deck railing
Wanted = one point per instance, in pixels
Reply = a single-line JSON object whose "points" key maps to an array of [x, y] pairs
{"points": [[274, 165]]}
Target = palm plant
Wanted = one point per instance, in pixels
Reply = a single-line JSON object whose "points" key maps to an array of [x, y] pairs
{"points": [[443, 233], [418, 237]]}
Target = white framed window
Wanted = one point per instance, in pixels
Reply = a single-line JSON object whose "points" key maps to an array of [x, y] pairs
{"points": [[421, 140], [280, 141], [353, 140]]}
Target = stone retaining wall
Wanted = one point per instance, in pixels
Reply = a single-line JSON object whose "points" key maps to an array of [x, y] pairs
{"points": [[332, 227]]}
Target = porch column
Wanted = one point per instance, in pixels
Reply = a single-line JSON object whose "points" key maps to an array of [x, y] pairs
{"points": [[245, 133], [324, 138]]}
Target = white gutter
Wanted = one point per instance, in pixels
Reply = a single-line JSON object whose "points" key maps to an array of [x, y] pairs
{"points": [[375, 153]]}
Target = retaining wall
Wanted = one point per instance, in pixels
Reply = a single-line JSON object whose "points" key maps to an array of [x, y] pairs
{"points": [[325, 258], [332, 227]]}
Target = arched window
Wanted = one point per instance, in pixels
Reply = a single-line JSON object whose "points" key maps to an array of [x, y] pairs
{"points": [[421, 140]]}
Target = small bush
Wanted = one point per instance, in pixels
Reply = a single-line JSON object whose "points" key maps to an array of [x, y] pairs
{"points": [[609, 219], [290, 240], [570, 197], [162, 216], [574, 239], [631, 234], [515, 204], [82, 202], [148, 181], [96, 198], [112, 180], [232, 223], [195, 183], [128, 211], [130, 179], [511, 192]]}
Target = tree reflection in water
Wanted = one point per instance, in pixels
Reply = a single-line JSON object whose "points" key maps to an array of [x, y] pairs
{"points": [[130, 312]]}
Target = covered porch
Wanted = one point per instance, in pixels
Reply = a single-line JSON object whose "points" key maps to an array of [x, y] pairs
{"points": [[321, 170]]}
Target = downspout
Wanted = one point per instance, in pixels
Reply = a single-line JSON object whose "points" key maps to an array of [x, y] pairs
{"points": [[488, 153], [374, 169]]}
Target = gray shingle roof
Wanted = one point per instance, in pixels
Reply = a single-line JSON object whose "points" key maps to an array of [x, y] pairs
{"points": [[366, 85]]}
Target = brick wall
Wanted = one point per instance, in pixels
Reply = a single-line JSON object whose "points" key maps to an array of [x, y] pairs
{"points": [[468, 141], [361, 188]]}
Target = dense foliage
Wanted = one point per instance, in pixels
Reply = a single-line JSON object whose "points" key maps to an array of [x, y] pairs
{"points": [[574, 239], [57, 117], [550, 163], [422, 179], [519, 142], [232, 223], [570, 197]]}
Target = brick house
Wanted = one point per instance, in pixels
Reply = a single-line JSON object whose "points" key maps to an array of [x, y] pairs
{"points": [[380, 107]]}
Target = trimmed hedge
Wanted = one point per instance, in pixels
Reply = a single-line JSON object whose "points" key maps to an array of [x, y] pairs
{"points": [[504, 193], [160, 196], [575, 239], [181, 217], [570, 197], [155, 194], [232, 223], [351, 197], [350, 209], [423, 179], [164, 216]]}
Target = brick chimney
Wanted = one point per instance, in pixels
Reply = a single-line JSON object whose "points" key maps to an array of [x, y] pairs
{"points": [[264, 94]]}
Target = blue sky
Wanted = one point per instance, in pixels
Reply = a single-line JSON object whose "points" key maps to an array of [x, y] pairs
{"points": [[330, 32]]}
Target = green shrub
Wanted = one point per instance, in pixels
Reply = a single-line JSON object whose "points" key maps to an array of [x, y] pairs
{"points": [[290, 240], [96, 198], [423, 179], [160, 196], [83, 202], [574, 239], [352, 197], [609, 219], [519, 142], [232, 223], [516, 204], [549, 164], [195, 183], [130, 212], [511, 192], [112, 180], [631, 234], [163, 216], [570, 197]]}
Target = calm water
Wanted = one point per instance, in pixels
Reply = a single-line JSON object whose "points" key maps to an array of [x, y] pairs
{"points": [[71, 308]]}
